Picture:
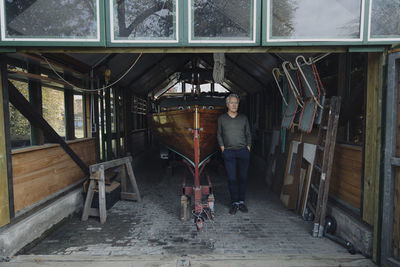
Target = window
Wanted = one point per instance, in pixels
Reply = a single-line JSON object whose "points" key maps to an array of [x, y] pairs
{"points": [[144, 21], [352, 112], [47, 20], [20, 128], [222, 21], [320, 20], [53, 109], [79, 118], [384, 20]]}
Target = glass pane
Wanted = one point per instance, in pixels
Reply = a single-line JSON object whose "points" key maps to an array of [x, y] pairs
{"points": [[20, 129], [78, 117], [314, 19], [51, 18], [144, 19], [385, 18], [222, 19], [53, 109]]}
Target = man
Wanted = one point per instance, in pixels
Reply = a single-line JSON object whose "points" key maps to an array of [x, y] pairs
{"points": [[234, 139]]}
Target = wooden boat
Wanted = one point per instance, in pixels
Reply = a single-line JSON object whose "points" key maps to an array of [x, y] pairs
{"points": [[176, 129]]}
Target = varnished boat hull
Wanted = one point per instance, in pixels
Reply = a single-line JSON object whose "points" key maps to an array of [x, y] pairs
{"points": [[175, 130]]}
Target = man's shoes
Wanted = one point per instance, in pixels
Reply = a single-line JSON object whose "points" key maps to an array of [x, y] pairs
{"points": [[234, 208], [243, 208]]}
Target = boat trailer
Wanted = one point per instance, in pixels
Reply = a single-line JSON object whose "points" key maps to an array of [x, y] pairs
{"points": [[203, 195]]}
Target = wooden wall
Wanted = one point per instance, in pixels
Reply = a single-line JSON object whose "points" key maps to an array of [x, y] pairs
{"points": [[347, 174], [39, 172]]}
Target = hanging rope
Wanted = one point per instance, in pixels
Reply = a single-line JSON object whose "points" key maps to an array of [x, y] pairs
{"points": [[95, 89], [219, 68]]}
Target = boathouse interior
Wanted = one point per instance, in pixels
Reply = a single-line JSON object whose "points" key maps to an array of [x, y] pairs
{"points": [[102, 125], [81, 80]]}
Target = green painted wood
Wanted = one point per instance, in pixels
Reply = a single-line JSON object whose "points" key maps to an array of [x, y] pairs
{"points": [[182, 30], [83, 43]]}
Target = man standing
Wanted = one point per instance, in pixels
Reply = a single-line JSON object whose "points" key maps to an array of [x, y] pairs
{"points": [[234, 139]]}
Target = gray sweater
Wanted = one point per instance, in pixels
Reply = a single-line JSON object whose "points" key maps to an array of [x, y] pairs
{"points": [[233, 133]]}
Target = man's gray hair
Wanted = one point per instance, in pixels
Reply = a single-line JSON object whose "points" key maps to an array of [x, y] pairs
{"points": [[232, 95]]}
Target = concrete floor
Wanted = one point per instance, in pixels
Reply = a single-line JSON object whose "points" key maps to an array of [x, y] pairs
{"points": [[150, 233]]}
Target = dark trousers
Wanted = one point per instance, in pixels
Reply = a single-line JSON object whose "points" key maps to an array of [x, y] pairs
{"points": [[237, 159]]}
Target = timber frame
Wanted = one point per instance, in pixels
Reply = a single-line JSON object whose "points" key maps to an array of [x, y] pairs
{"points": [[376, 63], [391, 161]]}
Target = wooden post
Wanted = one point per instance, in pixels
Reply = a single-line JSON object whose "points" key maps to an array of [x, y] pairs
{"points": [[125, 112], [132, 179], [35, 98], [103, 135], [86, 115], [117, 123], [108, 125], [6, 193], [69, 113], [372, 147], [102, 196]]}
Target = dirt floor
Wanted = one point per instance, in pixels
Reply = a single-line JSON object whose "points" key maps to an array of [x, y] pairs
{"points": [[152, 229]]}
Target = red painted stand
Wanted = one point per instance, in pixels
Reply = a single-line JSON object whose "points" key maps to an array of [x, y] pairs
{"points": [[201, 210]]}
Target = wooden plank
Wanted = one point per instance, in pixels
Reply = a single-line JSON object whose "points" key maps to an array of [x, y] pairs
{"points": [[38, 78], [39, 173], [88, 201], [289, 190], [372, 138], [132, 179], [109, 164], [102, 196], [162, 50], [4, 194], [24, 107], [347, 174]]}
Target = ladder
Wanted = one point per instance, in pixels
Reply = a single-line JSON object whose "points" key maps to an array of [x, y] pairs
{"points": [[323, 161]]}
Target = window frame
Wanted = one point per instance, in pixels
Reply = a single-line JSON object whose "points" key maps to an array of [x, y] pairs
{"points": [[268, 40], [38, 41], [112, 42], [256, 32], [380, 40]]}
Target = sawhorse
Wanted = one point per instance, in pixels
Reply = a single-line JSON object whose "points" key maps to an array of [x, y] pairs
{"points": [[97, 180]]}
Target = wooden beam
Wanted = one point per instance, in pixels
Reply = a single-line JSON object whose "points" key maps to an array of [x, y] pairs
{"points": [[103, 137], [372, 147], [6, 196], [26, 109], [69, 112], [37, 77], [59, 67], [108, 124], [239, 49], [35, 98]]}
